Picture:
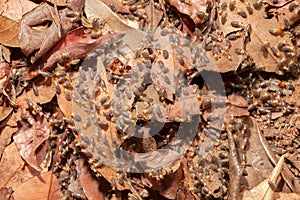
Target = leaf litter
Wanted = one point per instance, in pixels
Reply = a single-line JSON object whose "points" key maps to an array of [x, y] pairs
{"points": [[141, 113]]}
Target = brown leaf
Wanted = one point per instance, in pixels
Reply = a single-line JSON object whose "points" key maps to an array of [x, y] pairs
{"points": [[168, 187], [191, 8], [287, 18], [44, 186], [14, 10], [11, 162], [5, 137], [7, 101], [264, 189], [32, 133], [5, 54], [263, 31], [95, 8], [89, 183], [283, 196], [45, 91], [37, 34], [224, 62], [260, 166], [9, 32]]}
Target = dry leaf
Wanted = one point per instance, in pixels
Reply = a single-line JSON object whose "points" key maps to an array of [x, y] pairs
{"points": [[89, 183], [11, 162], [9, 32], [260, 166], [284, 196], [95, 8], [170, 184], [39, 31], [259, 34], [8, 99], [5, 137], [191, 8], [264, 191], [4, 54], [14, 10], [45, 93], [32, 133], [44, 186]]}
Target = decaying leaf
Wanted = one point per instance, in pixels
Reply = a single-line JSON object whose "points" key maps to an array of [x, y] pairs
{"points": [[32, 133], [5, 54], [8, 93]]}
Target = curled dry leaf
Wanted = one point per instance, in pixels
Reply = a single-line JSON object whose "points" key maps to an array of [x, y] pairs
{"points": [[32, 133], [11, 162], [40, 31], [44, 186], [4, 54], [73, 46]]}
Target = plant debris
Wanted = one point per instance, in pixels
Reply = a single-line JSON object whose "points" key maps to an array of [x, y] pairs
{"points": [[149, 99]]}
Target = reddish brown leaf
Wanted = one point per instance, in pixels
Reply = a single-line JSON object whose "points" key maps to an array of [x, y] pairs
{"points": [[191, 8], [44, 186], [168, 187], [35, 32], [5, 137], [89, 183], [32, 133], [11, 162], [45, 91], [9, 32]]}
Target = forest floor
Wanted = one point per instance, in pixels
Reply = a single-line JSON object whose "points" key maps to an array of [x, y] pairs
{"points": [[149, 99]]}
